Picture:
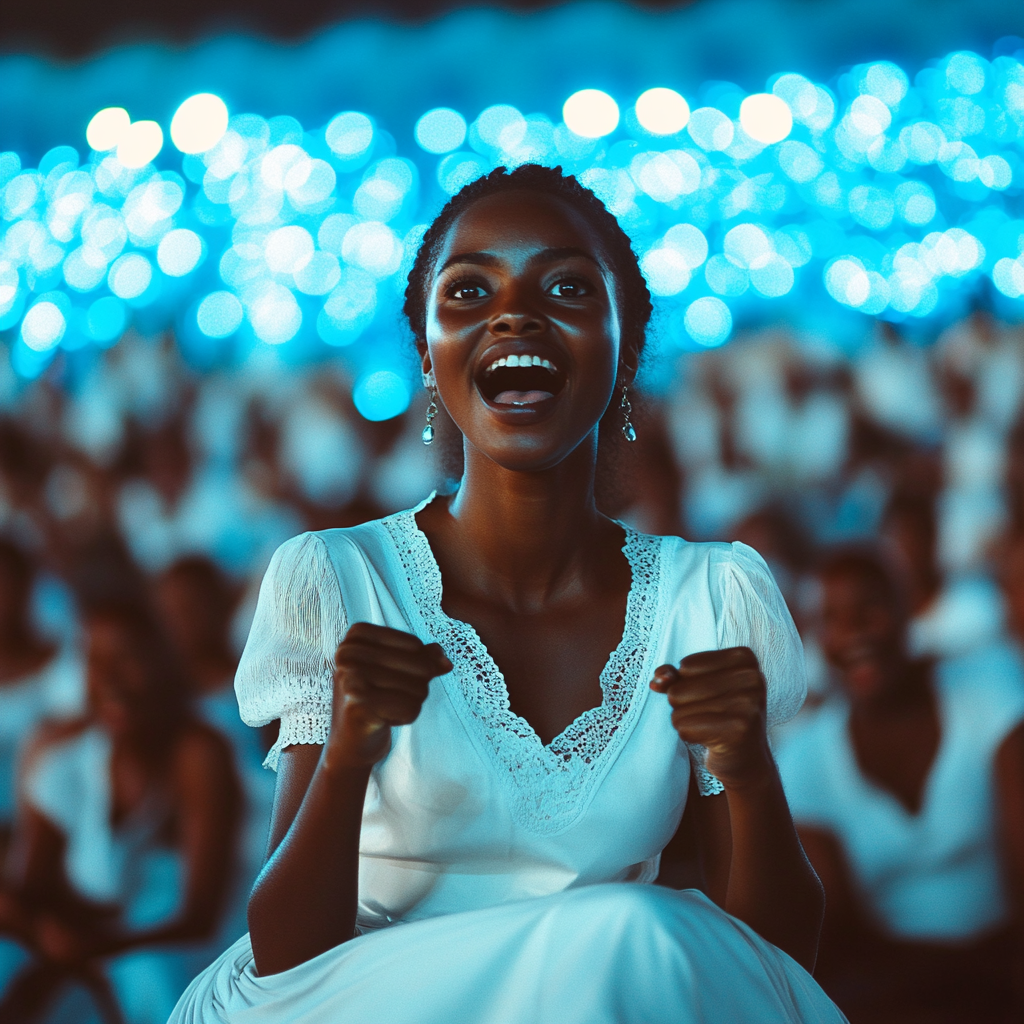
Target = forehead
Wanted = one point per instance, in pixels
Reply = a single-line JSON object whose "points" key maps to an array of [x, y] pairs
{"points": [[520, 222]]}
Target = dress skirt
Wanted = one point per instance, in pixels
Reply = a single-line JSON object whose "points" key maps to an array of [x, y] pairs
{"points": [[613, 953]]}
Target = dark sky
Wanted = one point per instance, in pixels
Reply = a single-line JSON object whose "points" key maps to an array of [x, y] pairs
{"points": [[73, 28]]}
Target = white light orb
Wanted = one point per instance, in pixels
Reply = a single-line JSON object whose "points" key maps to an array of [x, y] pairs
{"points": [[288, 249], [662, 111], [441, 130], [43, 327], [179, 252], [140, 144], [107, 128], [199, 123], [274, 314], [591, 113], [708, 321], [349, 135], [766, 118], [130, 275], [219, 315]]}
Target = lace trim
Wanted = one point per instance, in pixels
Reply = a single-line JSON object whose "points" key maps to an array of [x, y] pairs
{"points": [[548, 786]]}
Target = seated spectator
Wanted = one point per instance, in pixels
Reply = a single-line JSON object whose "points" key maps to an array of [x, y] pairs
{"points": [[125, 836], [908, 793], [37, 678], [196, 602]]}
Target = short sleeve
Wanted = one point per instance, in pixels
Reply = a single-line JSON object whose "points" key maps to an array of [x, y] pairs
{"points": [[286, 670], [751, 612]]}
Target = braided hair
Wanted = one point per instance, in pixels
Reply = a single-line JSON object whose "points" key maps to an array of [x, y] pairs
{"points": [[632, 294]]}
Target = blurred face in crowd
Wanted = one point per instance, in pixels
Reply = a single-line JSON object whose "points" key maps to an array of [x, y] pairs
{"points": [[861, 631], [117, 676], [189, 611]]}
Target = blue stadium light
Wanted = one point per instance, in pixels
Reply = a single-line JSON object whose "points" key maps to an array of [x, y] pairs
{"points": [[876, 194]]}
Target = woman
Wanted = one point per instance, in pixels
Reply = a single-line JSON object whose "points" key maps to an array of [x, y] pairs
{"points": [[125, 837], [441, 825], [908, 791]]}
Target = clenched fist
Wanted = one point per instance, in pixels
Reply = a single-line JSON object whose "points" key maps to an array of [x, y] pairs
{"points": [[381, 678], [718, 701]]}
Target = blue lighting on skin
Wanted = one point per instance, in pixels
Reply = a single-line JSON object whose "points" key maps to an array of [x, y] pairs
{"points": [[885, 192]]}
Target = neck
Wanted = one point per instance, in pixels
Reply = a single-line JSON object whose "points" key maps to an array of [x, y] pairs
{"points": [[528, 535], [907, 686]]}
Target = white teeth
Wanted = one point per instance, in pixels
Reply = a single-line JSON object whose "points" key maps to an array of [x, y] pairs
{"points": [[524, 360]]}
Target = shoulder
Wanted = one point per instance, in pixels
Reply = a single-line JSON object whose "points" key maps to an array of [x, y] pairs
{"points": [[365, 540], [693, 561], [203, 753], [807, 759], [985, 688]]}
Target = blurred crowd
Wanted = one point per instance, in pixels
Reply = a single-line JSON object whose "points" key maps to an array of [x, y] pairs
{"points": [[140, 503]]}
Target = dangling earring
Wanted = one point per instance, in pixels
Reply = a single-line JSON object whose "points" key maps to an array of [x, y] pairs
{"points": [[428, 431], [627, 427]]}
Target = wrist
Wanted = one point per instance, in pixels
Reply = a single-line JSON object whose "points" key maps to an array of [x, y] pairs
{"points": [[753, 775], [343, 757]]}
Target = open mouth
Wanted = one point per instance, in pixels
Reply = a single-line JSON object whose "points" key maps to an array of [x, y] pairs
{"points": [[521, 380]]}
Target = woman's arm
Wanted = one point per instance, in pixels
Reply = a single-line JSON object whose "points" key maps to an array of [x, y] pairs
{"points": [[306, 897], [718, 701]]}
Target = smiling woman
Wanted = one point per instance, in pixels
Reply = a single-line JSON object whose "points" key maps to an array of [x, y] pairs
{"points": [[472, 792]]}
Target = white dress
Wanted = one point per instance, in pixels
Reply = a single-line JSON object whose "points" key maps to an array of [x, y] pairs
{"points": [[933, 876], [501, 879]]}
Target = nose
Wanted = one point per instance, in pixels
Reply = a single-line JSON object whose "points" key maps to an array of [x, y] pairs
{"points": [[516, 324]]}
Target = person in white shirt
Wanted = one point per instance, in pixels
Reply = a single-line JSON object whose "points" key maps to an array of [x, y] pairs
{"points": [[907, 788]]}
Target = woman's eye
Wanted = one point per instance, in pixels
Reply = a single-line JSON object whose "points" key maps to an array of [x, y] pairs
{"points": [[568, 289], [466, 291]]}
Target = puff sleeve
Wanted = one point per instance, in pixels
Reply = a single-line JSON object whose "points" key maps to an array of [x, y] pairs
{"points": [[751, 612], [287, 668]]}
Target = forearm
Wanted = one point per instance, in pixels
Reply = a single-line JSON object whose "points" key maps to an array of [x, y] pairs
{"points": [[304, 901], [772, 886]]}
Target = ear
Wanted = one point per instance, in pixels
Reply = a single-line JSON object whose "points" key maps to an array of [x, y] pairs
{"points": [[628, 364], [423, 352]]}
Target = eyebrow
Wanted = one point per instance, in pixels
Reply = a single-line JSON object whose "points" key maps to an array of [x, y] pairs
{"points": [[488, 259]]}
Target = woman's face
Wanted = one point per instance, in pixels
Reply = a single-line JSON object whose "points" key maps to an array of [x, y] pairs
{"points": [[861, 632], [523, 329], [117, 676]]}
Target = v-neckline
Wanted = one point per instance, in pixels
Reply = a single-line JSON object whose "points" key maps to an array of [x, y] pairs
{"points": [[880, 791], [485, 655], [564, 768]]}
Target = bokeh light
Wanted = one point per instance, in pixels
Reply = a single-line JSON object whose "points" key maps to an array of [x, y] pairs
{"points": [[106, 319], [44, 325], [591, 113], [441, 130], [107, 128], [662, 111], [381, 395], [130, 275], [897, 189], [219, 315], [140, 144], [766, 117], [708, 321], [199, 123], [179, 252]]}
